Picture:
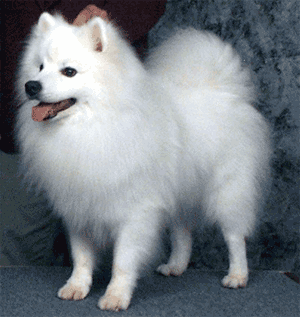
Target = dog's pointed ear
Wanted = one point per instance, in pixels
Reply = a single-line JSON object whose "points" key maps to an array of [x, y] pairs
{"points": [[98, 28], [46, 21]]}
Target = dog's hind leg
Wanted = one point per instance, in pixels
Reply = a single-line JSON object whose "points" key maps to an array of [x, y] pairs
{"points": [[235, 213], [238, 268], [181, 239]]}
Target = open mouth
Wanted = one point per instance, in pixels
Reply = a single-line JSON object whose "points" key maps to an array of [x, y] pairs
{"points": [[45, 111]]}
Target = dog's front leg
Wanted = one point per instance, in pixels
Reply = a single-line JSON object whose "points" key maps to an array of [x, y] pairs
{"points": [[133, 247], [79, 284]]}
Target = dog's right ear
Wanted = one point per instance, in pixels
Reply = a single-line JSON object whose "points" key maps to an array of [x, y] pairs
{"points": [[98, 28], [46, 21]]}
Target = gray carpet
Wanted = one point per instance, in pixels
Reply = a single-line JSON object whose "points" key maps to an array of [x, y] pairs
{"points": [[31, 291]]}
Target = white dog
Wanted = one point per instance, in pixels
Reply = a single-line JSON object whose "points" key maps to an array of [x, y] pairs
{"points": [[127, 148]]}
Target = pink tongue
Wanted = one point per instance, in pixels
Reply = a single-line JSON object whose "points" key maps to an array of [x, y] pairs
{"points": [[44, 111]]}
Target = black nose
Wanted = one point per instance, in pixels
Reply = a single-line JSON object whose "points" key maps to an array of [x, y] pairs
{"points": [[32, 88]]}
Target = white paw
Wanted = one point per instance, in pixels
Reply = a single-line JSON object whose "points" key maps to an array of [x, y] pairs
{"points": [[73, 291], [235, 281], [167, 269], [114, 300]]}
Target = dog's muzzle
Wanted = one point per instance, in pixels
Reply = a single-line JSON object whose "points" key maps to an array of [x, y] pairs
{"points": [[45, 111]]}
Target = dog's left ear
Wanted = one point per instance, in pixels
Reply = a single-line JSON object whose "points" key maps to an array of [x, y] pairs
{"points": [[99, 28]]}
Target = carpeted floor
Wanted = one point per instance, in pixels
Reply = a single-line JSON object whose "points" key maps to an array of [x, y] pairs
{"points": [[31, 291]]}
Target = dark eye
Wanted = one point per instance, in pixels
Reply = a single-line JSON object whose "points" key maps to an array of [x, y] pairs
{"points": [[69, 72], [41, 67]]}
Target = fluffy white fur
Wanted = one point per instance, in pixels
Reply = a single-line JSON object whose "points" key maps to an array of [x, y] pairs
{"points": [[144, 146]]}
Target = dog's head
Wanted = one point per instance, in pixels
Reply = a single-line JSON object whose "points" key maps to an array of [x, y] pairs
{"points": [[64, 62]]}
